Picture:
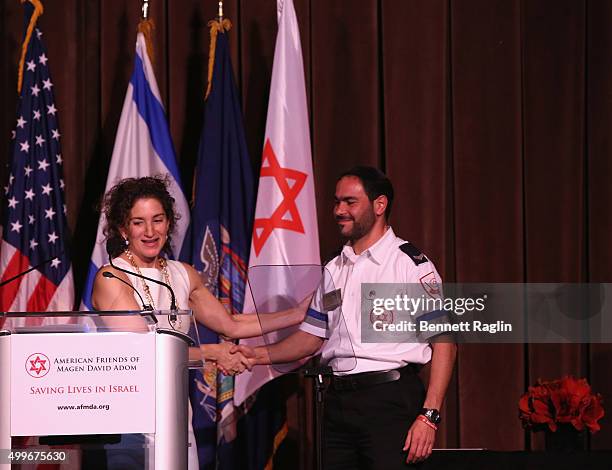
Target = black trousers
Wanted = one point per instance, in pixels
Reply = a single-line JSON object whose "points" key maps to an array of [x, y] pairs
{"points": [[366, 428]]}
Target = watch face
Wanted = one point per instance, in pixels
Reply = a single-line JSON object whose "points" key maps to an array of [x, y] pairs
{"points": [[432, 415]]}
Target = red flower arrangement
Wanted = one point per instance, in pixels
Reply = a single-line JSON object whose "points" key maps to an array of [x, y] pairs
{"points": [[566, 400]]}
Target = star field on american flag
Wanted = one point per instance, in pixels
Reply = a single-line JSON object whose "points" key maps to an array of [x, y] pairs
{"points": [[35, 214]]}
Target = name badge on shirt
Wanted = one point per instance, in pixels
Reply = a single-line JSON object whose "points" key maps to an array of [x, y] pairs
{"points": [[332, 300]]}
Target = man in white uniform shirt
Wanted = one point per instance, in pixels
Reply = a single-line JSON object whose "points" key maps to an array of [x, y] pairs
{"points": [[377, 413]]}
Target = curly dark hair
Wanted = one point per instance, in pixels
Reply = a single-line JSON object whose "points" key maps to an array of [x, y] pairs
{"points": [[119, 200]]}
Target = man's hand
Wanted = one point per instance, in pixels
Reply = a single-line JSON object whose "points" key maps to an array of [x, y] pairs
{"points": [[419, 442], [243, 349], [249, 353], [231, 363]]}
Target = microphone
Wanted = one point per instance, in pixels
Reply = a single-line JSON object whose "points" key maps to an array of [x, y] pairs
{"points": [[109, 275], [114, 247], [145, 307], [4, 283]]}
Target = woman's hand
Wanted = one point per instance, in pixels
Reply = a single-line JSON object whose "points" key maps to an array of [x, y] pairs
{"points": [[228, 362]]}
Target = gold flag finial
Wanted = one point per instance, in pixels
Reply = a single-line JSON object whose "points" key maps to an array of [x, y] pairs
{"points": [[216, 26]]}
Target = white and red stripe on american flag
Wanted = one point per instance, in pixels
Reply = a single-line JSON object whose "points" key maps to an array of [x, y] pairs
{"points": [[34, 222]]}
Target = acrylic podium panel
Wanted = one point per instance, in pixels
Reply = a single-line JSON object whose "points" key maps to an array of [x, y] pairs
{"points": [[65, 377]]}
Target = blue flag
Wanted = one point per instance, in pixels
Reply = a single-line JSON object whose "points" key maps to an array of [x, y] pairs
{"points": [[217, 245]]}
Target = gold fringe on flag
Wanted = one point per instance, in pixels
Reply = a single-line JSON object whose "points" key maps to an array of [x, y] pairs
{"points": [[216, 27], [38, 10], [146, 27]]}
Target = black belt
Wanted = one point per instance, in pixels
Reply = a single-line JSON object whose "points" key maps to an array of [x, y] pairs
{"points": [[368, 379]]}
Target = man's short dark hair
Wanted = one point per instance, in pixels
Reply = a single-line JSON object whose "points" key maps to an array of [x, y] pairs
{"points": [[375, 183]]}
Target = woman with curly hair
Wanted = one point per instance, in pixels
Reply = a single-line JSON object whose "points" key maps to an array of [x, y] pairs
{"points": [[141, 219], [140, 222]]}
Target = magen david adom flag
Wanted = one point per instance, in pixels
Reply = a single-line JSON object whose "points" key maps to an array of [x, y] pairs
{"points": [[285, 229]]}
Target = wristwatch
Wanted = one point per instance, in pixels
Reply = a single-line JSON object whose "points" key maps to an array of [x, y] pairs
{"points": [[432, 415]]}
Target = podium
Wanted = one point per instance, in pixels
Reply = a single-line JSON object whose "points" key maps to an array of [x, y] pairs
{"points": [[77, 374]]}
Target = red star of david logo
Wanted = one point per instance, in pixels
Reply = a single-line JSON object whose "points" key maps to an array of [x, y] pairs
{"points": [[286, 215], [38, 365]]}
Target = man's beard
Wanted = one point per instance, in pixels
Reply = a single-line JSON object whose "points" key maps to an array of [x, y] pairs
{"points": [[360, 228]]}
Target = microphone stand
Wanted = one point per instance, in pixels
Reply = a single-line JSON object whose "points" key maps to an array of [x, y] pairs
{"points": [[318, 374], [145, 307], [172, 296], [109, 275], [3, 283], [114, 246]]}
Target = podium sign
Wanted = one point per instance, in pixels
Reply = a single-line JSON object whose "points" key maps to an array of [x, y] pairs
{"points": [[82, 383]]}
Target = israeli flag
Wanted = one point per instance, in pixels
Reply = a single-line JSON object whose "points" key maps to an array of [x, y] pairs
{"points": [[143, 147]]}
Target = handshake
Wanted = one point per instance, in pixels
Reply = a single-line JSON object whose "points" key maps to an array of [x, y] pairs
{"points": [[234, 359], [230, 358]]}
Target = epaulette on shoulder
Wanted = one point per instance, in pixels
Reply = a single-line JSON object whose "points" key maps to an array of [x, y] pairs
{"points": [[415, 254], [333, 255]]}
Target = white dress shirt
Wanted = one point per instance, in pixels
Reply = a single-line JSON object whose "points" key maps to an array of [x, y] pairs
{"points": [[383, 262]]}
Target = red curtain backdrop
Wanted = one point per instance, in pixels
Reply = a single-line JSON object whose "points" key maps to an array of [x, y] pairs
{"points": [[492, 117]]}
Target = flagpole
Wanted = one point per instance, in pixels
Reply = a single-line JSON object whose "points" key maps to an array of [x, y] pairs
{"points": [[145, 9], [220, 10]]}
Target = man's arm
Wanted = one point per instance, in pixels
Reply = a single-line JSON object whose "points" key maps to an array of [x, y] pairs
{"points": [[230, 363], [442, 364], [297, 346], [421, 437]]}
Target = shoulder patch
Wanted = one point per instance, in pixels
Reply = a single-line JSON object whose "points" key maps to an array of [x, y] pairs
{"points": [[414, 253]]}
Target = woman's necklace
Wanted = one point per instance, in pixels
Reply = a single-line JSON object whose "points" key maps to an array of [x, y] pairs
{"points": [[163, 264]]}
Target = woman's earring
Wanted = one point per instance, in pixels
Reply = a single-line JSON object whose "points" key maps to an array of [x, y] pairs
{"points": [[126, 241]]}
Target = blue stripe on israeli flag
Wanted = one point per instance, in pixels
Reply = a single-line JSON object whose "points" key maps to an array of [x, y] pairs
{"points": [[152, 111]]}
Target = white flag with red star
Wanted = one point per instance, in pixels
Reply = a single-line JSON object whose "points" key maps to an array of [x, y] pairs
{"points": [[285, 228]]}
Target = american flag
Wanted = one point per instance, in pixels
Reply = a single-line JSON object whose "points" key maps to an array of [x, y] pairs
{"points": [[34, 223]]}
